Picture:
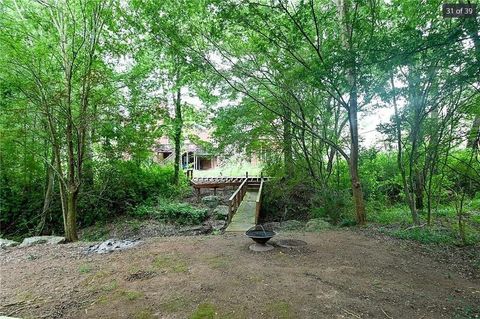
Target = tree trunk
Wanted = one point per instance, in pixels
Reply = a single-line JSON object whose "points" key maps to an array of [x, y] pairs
{"points": [[472, 29], [50, 178], [287, 144], [343, 7], [419, 189], [354, 155], [177, 136], [401, 167], [474, 135], [70, 226]]}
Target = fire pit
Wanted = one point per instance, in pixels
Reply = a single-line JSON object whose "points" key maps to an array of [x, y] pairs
{"points": [[261, 237]]}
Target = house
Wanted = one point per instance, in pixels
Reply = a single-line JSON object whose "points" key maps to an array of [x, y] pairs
{"points": [[193, 155]]}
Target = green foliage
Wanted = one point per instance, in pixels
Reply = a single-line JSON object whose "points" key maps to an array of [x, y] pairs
{"points": [[380, 177], [302, 199], [392, 215], [125, 184], [425, 235], [95, 233], [286, 200], [435, 234], [102, 101], [172, 212], [332, 205]]}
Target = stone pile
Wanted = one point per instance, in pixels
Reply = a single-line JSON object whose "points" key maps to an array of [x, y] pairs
{"points": [[112, 245]]}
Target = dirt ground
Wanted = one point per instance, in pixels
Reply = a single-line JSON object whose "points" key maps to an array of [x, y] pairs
{"points": [[339, 274]]}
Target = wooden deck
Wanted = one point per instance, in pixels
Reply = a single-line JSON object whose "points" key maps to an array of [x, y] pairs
{"points": [[245, 203]]}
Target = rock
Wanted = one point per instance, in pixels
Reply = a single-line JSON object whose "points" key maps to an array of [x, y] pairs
{"points": [[111, 245], [291, 225], [221, 212], [272, 226], [218, 224], [36, 240], [196, 230], [4, 243], [317, 224], [211, 201]]}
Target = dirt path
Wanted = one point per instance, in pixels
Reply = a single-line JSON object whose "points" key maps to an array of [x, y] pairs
{"points": [[339, 274]]}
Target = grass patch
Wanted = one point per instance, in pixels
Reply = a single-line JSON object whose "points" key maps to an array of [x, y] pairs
{"points": [[468, 312], [131, 294], [424, 235], [144, 314], [433, 234], [171, 263], [85, 269], [397, 222], [391, 215], [110, 286], [175, 304], [103, 299], [204, 311], [280, 310], [218, 262]]}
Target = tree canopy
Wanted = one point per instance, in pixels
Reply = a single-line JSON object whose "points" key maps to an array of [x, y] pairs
{"points": [[89, 87]]}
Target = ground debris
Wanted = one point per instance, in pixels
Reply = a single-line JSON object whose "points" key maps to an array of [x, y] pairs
{"points": [[112, 245]]}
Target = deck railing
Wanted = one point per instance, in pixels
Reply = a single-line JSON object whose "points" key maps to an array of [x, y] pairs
{"points": [[258, 202], [236, 198]]}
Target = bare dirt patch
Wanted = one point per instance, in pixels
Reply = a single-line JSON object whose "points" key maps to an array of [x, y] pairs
{"points": [[339, 274]]}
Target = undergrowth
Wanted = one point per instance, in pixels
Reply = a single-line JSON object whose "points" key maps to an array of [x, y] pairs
{"points": [[397, 222], [171, 212]]}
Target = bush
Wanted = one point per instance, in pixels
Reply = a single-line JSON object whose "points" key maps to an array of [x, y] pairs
{"points": [[302, 199], [121, 185], [172, 212], [424, 235], [333, 206], [392, 215], [285, 200]]}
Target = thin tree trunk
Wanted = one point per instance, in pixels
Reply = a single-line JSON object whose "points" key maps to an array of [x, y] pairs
{"points": [[473, 141], [354, 155], [177, 136], [401, 168], [343, 7], [50, 178], [419, 185], [287, 144], [472, 28]]}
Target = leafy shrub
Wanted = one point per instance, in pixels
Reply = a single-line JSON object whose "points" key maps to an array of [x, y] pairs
{"points": [[95, 233], [391, 215], [126, 184], [302, 199], [173, 212], [434, 234], [284, 200], [333, 206], [424, 235]]}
